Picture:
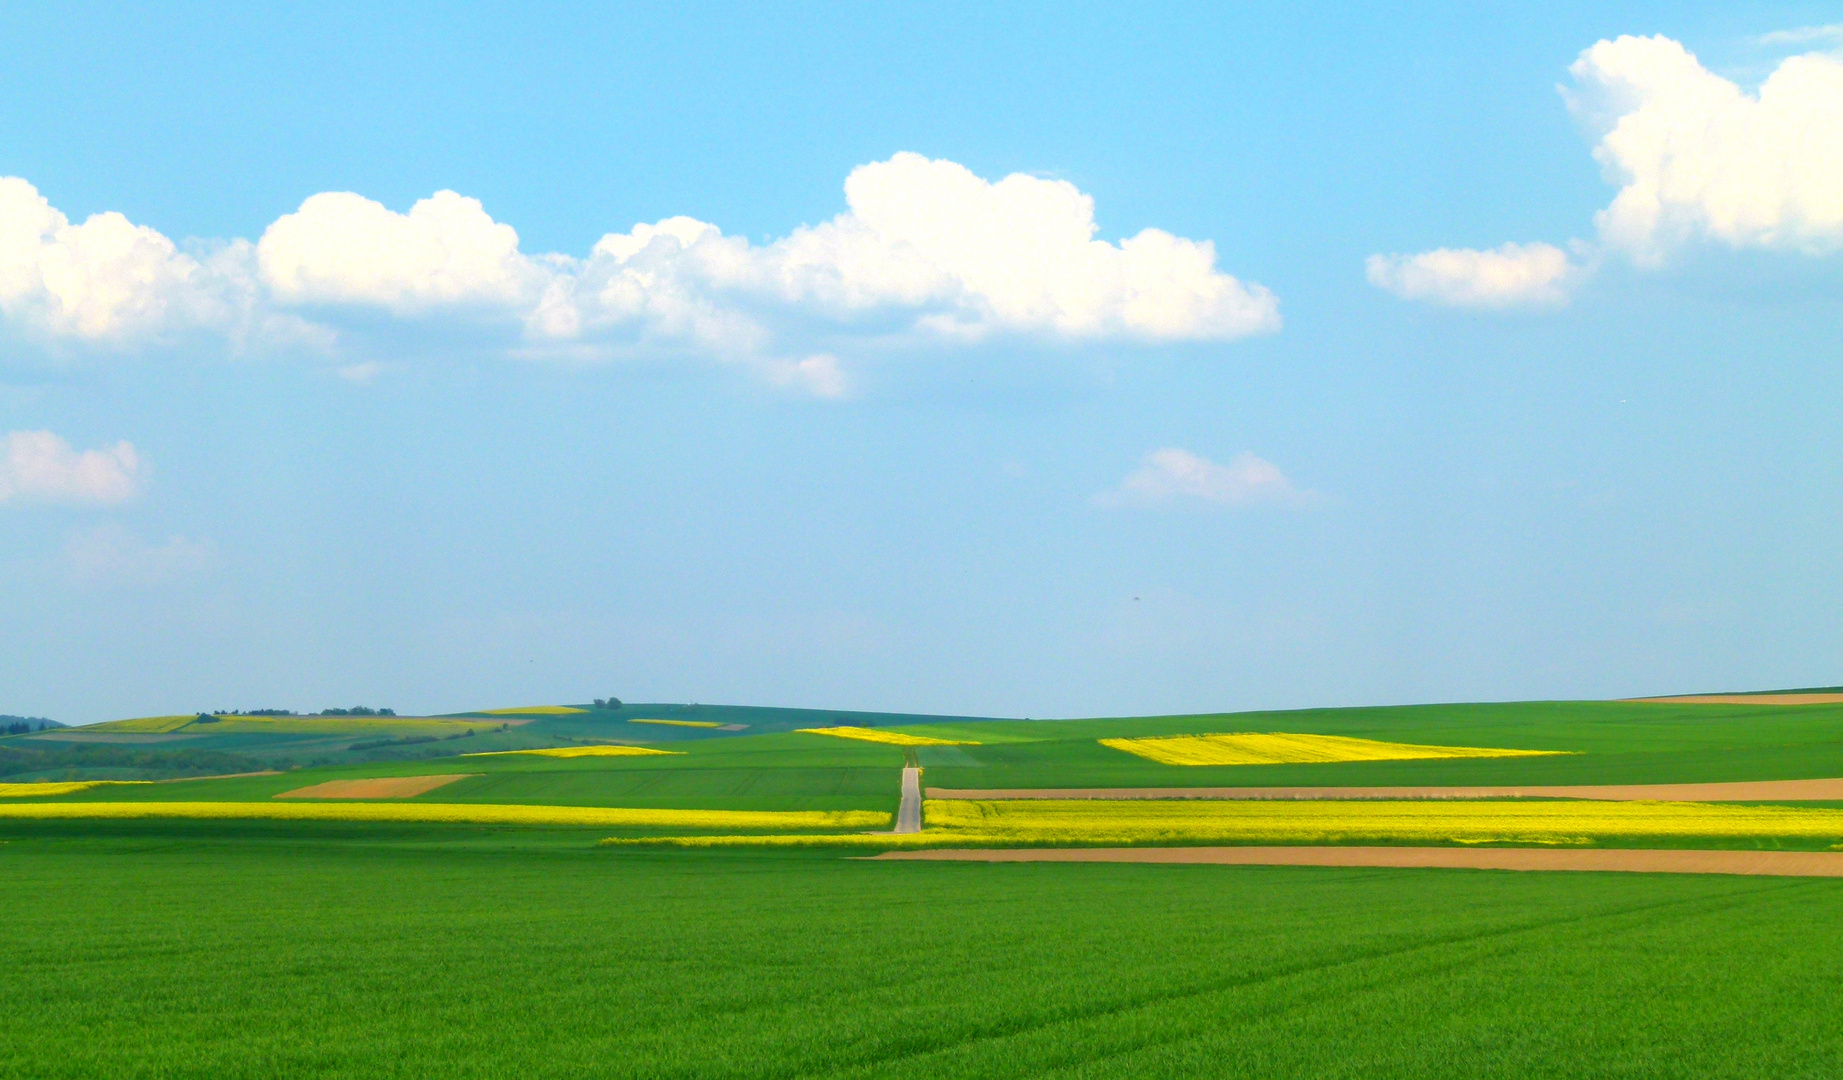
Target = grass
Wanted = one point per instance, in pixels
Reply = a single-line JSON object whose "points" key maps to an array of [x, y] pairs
{"points": [[1609, 743], [325, 952]]}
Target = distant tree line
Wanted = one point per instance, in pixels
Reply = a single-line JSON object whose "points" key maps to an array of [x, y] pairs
{"points": [[608, 703], [20, 725], [356, 710]]}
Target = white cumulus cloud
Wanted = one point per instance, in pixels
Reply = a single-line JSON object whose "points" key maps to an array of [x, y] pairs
{"points": [[106, 280], [1018, 254], [926, 254], [1514, 275], [40, 466], [1697, 157], [341, 248], [1174, 477]]}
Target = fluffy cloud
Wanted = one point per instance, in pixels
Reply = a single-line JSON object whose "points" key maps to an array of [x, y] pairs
{"points": [[925, 249], [340, 248], [1695, 157], [926, 253], [1174, 477], [1015, 255], [1698, 157], [1515, 275], [40, 466], [106, 280]]}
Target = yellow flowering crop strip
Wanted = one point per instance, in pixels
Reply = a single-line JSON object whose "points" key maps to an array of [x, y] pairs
{"points": [[680, 723], [55, 787], [456, 813], [1085, 822], [1276, 748], [151, 725], [876, 735], [581, 751], [1407, 821]]}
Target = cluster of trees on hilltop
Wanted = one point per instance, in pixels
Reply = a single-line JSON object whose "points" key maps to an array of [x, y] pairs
{"points": [[20, 725], [356, 710], [608, 703], [255, 712]]}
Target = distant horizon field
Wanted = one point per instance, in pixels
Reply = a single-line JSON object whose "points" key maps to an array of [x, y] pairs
{"points": [[1607, 743]]}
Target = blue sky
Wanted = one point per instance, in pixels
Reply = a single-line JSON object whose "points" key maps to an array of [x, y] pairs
{"points": [[1473, 353]]}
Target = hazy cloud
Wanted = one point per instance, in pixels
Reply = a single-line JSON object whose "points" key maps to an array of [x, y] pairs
{"points": [[1175, 477], [1804, 35], [1514, 275], [40, 466], [110, 555]]}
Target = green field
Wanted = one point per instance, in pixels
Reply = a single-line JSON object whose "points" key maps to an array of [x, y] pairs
{"points": [[326, 952], [284, 948]]}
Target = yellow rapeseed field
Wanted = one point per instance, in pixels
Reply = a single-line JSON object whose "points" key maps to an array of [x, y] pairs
{"points": [[580, 751], [1276, 748], [876, 735], [458, 813], [151, 725], [680, 723], [55, 787], [1088, 822]]}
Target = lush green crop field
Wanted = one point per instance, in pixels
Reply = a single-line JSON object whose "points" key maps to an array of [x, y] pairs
{"points": [[1612, 743], [304, 951]]}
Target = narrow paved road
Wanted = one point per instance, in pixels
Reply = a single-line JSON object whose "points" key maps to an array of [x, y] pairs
{"points": [[908, 818]]}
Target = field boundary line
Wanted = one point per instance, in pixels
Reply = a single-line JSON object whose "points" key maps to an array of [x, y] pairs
{"points": [[1724, 791], [1625, 860]]}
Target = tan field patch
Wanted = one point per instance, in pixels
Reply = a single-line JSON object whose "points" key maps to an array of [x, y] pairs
{"points": [[382, 787], [1667, 861], [1745, 699], [1742, 791]]}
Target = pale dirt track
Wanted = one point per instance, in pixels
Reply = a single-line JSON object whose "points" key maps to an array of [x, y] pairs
{"points": [[1767, 863], [1745, 699], [385, 787], [1745, 791]]}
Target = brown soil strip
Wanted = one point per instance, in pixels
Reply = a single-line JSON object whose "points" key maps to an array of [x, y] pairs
{"points": [[1744, 791], [383, 787], [1745, 699], [1770, 863]]}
